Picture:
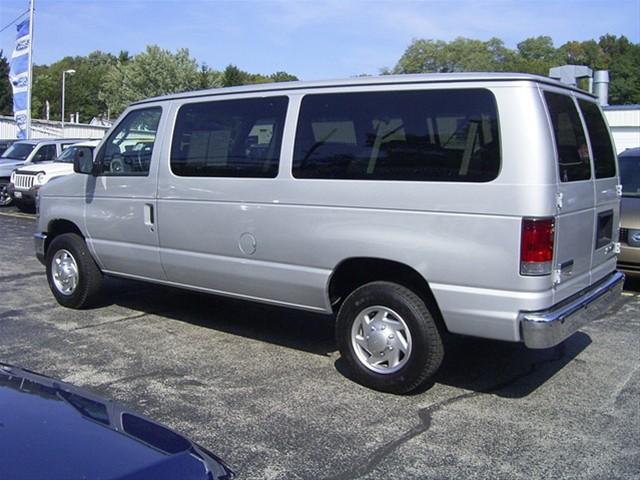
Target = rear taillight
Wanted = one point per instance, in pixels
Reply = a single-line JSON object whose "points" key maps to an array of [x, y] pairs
{"points": [[536, 246]]}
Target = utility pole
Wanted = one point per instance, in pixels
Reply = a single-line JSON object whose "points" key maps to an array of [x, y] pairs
{"points": [[71, 71], [30, 74]]}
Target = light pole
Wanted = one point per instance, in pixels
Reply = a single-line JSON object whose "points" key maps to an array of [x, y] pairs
{"points": [[71, 71]]}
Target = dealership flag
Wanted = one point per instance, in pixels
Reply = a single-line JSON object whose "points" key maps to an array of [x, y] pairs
{"points": [[19, 77]]}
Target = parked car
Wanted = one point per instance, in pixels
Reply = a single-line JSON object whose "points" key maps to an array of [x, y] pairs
{"points": [[478, 204], [51, 429], [629, 259], [4, 144], [25, 152], [27, 180]]}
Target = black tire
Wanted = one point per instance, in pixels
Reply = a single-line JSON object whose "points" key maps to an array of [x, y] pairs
{"points": [[89, 278], [426, 352], [5, 198]]}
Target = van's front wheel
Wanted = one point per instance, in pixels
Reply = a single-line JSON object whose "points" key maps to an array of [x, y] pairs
{"points": [[389, 338], [73, 276]]}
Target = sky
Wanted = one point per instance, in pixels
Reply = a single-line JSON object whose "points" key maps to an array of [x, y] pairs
{"points": [[313, 39]]}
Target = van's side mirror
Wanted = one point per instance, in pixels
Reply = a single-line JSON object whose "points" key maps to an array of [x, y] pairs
{"points": [[83, 161]]}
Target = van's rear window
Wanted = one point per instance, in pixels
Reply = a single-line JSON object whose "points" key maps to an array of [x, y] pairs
{"points": [[571, 143], [430, 135], [603, 157]]}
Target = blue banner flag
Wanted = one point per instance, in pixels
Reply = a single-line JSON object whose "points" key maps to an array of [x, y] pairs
{"points": [[19, 76]]}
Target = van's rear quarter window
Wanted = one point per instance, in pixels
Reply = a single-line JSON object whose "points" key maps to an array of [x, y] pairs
{"points": [[429, 135]]}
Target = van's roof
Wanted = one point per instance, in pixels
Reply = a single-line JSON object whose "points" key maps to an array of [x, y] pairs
{"points": [[370, 80]]}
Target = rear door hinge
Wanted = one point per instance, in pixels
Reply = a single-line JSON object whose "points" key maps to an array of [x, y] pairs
{"points": [[559, 202], [619, 190]]}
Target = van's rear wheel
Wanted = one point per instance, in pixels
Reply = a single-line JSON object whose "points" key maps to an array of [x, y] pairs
{"points": [[73, 276], [389, 338]]}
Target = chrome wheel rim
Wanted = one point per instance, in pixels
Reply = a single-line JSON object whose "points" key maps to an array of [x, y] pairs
{"points": [[381, 339], [64, 271]]}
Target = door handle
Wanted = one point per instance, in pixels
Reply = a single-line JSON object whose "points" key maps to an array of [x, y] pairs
{"points": [[149, 220]]}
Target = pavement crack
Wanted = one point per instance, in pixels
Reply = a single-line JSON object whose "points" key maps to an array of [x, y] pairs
{"points": [[129, 378], [425, 415], [109, 322], [31, 308], [20, 276]]}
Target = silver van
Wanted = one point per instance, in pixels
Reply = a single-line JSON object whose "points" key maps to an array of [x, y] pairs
{"points": [[408, 207]]}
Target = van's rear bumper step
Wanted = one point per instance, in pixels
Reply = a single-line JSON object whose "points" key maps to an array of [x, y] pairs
{"points": [[546, 328]]}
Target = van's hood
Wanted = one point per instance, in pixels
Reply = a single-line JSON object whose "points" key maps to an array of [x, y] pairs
{"points": [[51, 169], [50, 429], [630, 212]]}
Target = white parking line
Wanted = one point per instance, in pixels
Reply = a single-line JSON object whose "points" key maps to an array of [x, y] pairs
{"points": [[18, 215]]}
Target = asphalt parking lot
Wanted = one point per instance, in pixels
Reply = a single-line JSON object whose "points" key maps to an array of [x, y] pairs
{"points": [[264, 388]]}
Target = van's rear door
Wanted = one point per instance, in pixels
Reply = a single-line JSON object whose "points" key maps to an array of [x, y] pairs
{"points": [[587, 203], [607, 207], [575, 198]]}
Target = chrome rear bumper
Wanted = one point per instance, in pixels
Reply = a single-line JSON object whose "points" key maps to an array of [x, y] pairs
{"points": [[546, 328]]}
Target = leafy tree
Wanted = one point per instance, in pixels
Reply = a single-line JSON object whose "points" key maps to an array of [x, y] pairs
{"points": [[6, 94], [624, 68], [152, 73], [460, 55], [208, 78], [81, 89], [282, 77], [233, 76], [532, 55]]}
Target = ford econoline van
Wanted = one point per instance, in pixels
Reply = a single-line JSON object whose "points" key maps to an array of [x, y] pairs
{"points": [[407, 206]]}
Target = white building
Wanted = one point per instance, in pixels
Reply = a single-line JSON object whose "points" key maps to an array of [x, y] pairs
{"points": [[50, 129], [624, 121]]}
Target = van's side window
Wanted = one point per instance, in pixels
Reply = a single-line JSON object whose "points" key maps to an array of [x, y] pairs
{"points": [[431, 135], [571, 143], [601, 147], [230, 138], [127, 151]]}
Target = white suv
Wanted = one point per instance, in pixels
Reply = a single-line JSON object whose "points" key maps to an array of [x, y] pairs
{"points": [[26, 181]]}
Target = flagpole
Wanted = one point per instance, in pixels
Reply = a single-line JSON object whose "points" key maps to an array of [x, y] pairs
{"points": [[30, 74]]}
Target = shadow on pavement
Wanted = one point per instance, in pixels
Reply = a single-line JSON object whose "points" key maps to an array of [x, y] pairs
{"points": [[632, 283], [502, 368], [505, 369], [295, 329]]}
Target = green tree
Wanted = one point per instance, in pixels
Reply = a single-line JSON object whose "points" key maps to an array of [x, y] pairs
{"points": [[233, 76], [624, 68], [208, 78], [81, 89], [152, 73], [282, 77], [460, 55], [6, 94]]}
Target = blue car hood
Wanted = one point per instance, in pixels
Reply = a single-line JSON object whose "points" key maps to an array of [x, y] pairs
{"points": [[50, 429], [8, 165]]}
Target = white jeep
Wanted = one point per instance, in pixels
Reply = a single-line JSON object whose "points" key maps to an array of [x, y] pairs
{"points": [[26, 181]]}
